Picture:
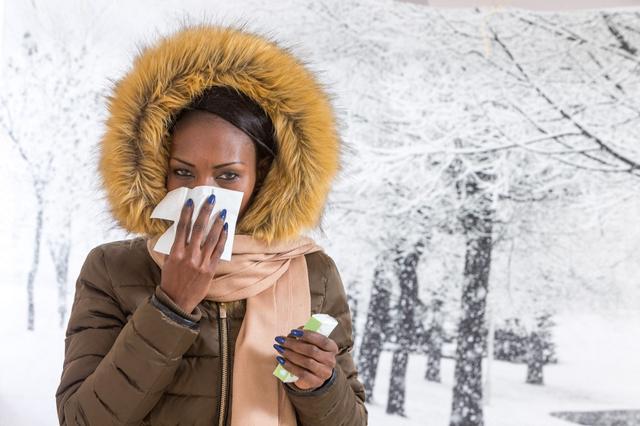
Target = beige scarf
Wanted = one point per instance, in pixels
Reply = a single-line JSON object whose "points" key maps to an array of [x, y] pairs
{"points": [[274, 280]]}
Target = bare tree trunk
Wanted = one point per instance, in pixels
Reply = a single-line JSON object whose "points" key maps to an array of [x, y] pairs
{"points": [[59, 249], [405, 328], [435, 342], [467, 392], [535, 359], [353, 294], [434, 356], [397, 385], [35, 260], [374, 331]]}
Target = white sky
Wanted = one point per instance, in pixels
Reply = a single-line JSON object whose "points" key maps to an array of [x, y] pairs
{"points": [[532, 4], [1, 31]]}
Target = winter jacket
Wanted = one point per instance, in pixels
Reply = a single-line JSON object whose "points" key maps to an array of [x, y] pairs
{"points": [[133, 358]]}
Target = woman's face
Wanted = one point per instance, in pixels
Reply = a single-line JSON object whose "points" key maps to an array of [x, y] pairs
{"points": [[208, 150]]}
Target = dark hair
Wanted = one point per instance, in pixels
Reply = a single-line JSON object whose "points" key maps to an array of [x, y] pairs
{"points": [[244, 113]]}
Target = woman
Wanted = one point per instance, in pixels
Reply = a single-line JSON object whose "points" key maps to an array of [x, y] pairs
{"points": [[185, 338]]}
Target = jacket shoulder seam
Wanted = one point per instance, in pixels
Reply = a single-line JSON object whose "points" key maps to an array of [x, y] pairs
{"points": [[114, 292]]}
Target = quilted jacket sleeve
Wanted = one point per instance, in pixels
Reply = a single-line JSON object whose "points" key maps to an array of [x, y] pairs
{"points": [[116, 368], [340, 400]]}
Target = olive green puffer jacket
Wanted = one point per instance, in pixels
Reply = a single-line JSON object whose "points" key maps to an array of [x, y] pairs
{"points": [[133, 358]]}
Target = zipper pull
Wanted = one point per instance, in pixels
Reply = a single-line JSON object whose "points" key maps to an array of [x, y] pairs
{"points": [[223, 309]]}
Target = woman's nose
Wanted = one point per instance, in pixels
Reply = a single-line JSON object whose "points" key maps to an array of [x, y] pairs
{"points": [[204, 181]]}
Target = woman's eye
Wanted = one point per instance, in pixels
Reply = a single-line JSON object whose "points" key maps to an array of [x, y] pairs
{"points": [[229, 175], [187, 173]]}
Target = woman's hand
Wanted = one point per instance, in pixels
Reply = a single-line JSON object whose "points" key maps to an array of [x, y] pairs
{"points": [[188, 269], [309, 355]]}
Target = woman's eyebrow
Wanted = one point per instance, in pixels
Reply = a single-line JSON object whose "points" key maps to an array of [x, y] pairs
{"points": [[214, 167]]}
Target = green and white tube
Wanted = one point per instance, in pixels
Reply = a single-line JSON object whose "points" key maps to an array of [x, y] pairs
{"points": [[320, 323]]}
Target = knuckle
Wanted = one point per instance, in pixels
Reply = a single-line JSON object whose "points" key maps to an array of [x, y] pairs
{"points": [[327, 374], [213, 235], [206, 239], [331, 360], [314, 351], [307, 363], [216, 252]]}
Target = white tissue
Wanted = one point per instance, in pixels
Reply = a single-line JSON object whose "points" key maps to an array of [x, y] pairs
{"points": [[171, 206]]}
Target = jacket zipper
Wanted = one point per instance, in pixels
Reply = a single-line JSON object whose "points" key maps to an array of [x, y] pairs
{"points": [[225, 363]]}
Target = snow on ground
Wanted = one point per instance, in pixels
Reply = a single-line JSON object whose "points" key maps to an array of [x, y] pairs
{"points": [[598, 369], [31, 361]]}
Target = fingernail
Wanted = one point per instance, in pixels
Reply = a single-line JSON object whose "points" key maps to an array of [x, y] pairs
{"points": [[223, 214], [225, 227], [278, 348], [189, 202], [296, 332], [280, 360], [280, 339], [211, 198]]}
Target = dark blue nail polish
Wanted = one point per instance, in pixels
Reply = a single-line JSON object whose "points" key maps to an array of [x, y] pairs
{"points": [[223, 214], [211, 198], [189, 202], [297, 332], [278, 348], [225, 227], [280, 360], [280, 339]]}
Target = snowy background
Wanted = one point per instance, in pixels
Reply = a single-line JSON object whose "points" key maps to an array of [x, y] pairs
{"points": [[485, 223]]}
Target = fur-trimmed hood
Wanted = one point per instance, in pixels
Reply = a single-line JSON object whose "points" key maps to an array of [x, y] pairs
{"points": [[166, 76]]}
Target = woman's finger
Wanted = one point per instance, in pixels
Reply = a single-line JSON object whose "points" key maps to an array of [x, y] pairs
{"points": [[213, 237], [182, 230], [323, 342], [309, 350], [306, 378], [318, 369], [193, 248], [221, 242]]}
